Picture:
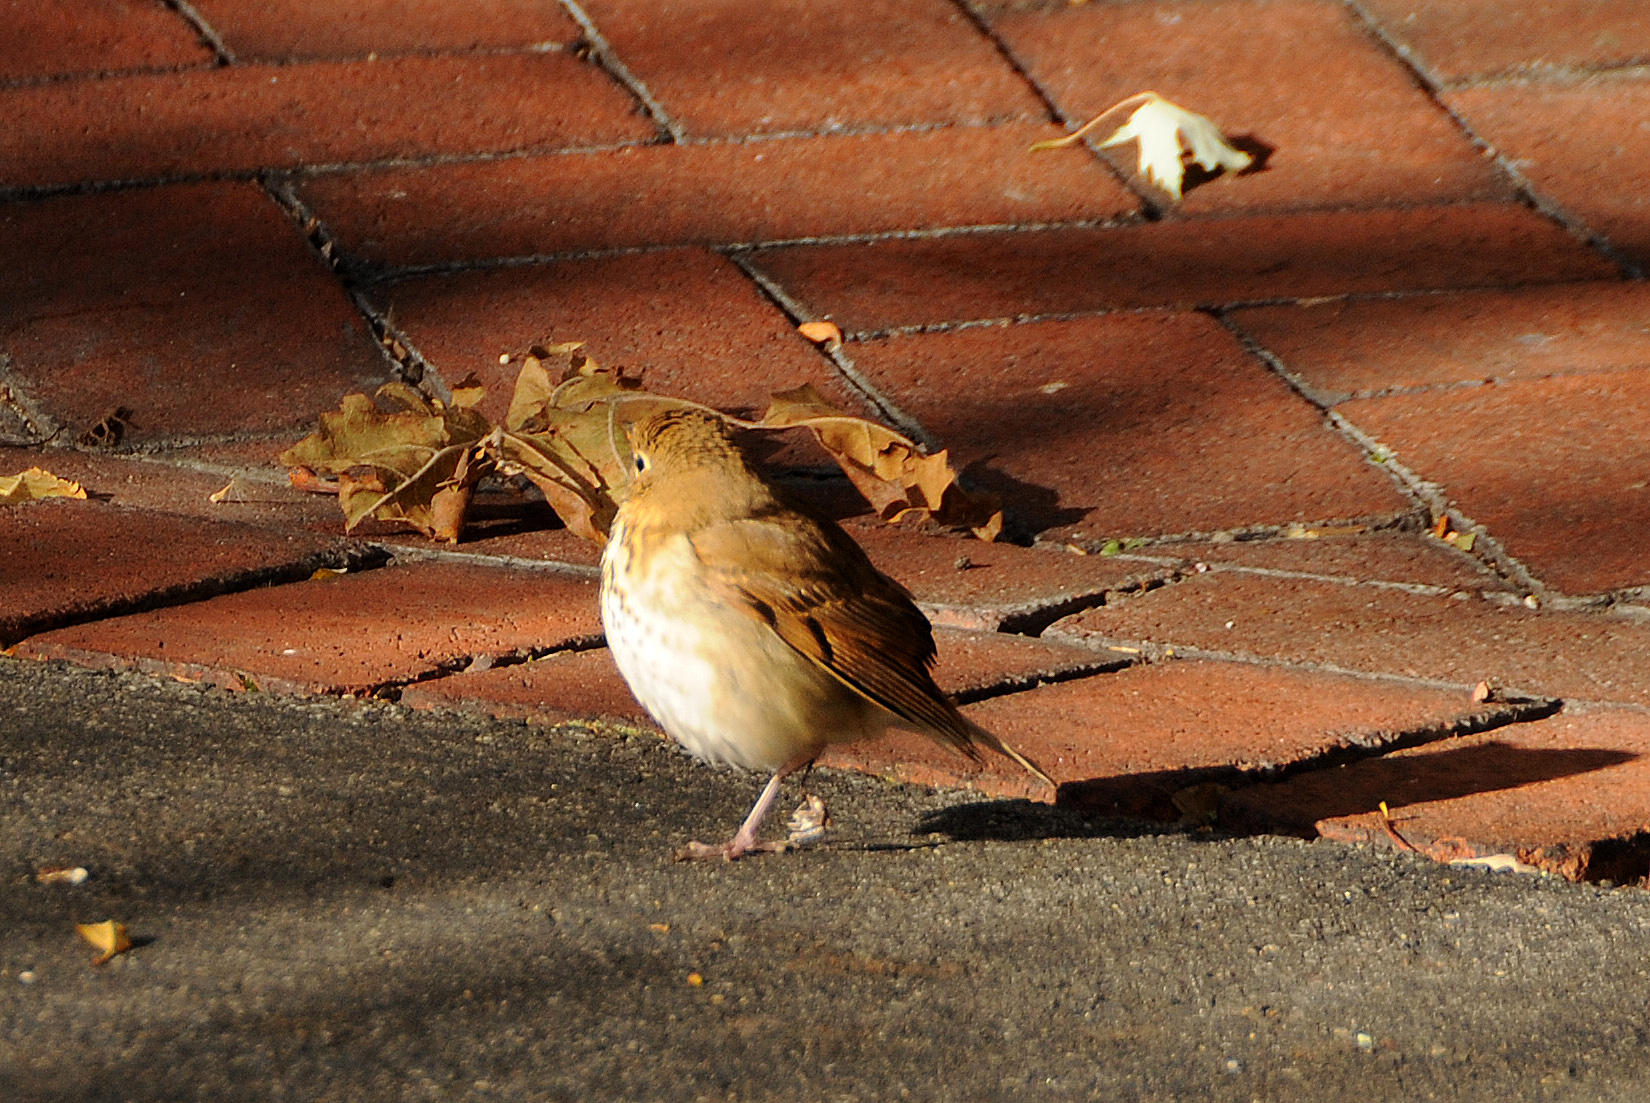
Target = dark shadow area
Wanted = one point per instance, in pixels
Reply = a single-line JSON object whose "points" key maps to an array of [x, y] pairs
{"points": [[1241, 802], [1298, 803], [1197, 176], [1150, 795], [507, 515], [1028, 508], [1022, 820]]}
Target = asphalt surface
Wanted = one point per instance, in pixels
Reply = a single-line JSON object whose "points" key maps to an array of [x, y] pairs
{"points": [[355, 901]]}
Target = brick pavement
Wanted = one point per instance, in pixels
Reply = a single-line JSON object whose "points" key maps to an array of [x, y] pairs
{"points": [[218, 218]]}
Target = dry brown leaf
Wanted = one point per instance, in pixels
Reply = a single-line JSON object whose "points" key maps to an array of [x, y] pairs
{"points": [[892, 471], [416, 465], [37, 483], [108, 938], [1167, 134], [565, 430], [109, 430]]}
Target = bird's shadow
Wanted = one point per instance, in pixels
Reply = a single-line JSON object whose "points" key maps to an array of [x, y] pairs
{"points": [[1023, 821]]}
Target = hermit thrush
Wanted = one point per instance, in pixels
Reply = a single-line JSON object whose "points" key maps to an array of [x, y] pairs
{"points": [[755, 633]]}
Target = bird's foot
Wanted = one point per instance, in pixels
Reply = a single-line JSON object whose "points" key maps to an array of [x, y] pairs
{"points": [[807, 825], [730, 851]]}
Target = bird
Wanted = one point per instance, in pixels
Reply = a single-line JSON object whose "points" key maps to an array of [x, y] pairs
{"points": [[755, 632]]}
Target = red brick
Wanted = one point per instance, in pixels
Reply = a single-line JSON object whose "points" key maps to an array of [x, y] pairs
{"points": [[687, 319], [344, 635], [1570, 794], [1361, 346], [585, 684], [1478, 37], [1125, 743], [1160, 424], [68, 560], [242, 118], [566, 685], [49, 38], [883, 284], [290, 29], [1362, 556], [198, 307], [1380, 629], [1583, 147], [1302, 76], [710, 194], [964, 583], [971, 663], [1555, 469], [730, 67]]}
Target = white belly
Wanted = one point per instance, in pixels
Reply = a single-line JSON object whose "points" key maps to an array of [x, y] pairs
{"points": [[718, 680]]}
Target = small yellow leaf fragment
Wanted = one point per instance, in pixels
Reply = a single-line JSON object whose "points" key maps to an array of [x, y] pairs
{"points": [[37, 483], [1166, 134], [326, 574], [62, 875], [821, 333], [232, 491], [661, 928], [108, 938], [696, 980]]}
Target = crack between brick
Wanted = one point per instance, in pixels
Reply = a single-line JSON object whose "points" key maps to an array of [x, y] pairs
{"points": [[36, 422], [1539, 73], [350, 557], [1526, 191], [1425, 494], [208, 35], [1152, 207], [475, 662], [606, 58], [420, 553], [401, 356], [1019, 683], [841, 364]]}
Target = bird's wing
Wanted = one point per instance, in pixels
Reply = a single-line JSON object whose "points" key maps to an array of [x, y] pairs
{"points": [[813, 586]]}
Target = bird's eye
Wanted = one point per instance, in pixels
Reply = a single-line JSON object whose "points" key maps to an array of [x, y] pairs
{"points": [[641, 463]]}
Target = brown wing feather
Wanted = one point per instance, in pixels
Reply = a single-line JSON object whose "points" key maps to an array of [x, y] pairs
{"points": [[815, 587]]}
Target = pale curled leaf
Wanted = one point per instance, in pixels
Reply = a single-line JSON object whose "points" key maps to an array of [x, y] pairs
{"points": [[1166, 134], [37, 483], [1497, 863], [62, 875]]}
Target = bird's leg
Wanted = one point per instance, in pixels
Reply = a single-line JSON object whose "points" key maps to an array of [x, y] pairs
{"points": [[744, 842]]}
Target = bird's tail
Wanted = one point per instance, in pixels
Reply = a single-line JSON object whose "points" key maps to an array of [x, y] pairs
{"points": [[987, 739]]}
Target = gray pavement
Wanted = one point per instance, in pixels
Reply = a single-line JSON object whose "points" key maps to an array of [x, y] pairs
{"points": [[350, 901]]}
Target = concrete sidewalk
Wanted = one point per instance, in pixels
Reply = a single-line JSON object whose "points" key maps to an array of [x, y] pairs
{"points": [[345, 901], [1233, 434]]}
